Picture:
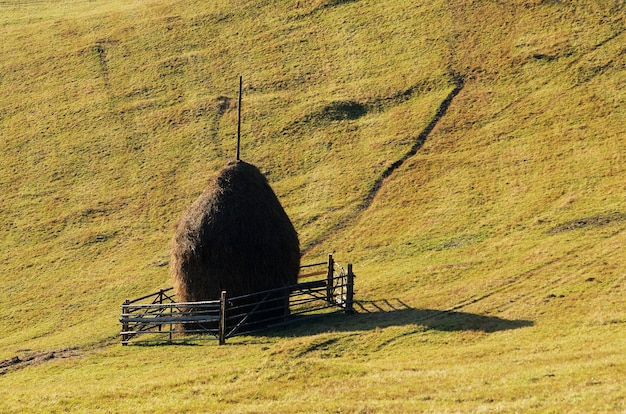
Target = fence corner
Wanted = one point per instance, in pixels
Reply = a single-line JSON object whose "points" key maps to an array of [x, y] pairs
{"points": [[349, 308], [125, 322]]}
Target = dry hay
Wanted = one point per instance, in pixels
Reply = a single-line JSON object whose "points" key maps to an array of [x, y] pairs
{"points": [[235, 237]]}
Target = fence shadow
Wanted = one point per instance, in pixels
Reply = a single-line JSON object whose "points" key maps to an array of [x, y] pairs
{"points": [[370, 315]]}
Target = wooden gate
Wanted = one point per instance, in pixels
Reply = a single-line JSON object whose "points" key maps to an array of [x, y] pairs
{"points": [[165, 319]]}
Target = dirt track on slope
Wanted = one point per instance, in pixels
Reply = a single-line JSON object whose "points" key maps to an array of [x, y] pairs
{"points": [[420, 139], [30, 358]]}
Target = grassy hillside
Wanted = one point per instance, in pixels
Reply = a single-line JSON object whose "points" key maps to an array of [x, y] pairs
{"points": [[467, 156]]}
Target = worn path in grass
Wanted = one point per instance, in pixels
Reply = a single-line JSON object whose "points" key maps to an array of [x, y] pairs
{"points": [[419, 141]]}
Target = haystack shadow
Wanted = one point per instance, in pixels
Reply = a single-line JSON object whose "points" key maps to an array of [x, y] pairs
{"points": [[384, 313]]}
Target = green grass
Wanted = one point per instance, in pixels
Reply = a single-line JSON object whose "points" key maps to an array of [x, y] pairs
{"points": [[114, 114]]}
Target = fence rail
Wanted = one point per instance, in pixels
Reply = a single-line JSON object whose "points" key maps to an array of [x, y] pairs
{"points": [[160, 315]]}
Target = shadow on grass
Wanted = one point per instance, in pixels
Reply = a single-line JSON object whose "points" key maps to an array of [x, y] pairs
{"points": [[385, 313], [369, 315]]}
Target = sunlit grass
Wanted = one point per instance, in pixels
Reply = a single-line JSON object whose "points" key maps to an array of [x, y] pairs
{"points": [[113, 115]]}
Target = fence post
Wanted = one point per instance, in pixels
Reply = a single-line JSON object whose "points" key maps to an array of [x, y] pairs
{"points": [[349, 308], [161, 309], [171, 324], [125, 322], [330, 276], [222, 325]]}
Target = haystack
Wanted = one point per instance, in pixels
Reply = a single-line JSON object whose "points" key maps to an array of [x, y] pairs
{"points": [[235, 237]]}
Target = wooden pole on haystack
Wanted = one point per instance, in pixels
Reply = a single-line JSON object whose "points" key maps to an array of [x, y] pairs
{"points": [[239, 118]]}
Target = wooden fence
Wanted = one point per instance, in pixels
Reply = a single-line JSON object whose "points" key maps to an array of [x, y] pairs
{"points": [[165, 319]]}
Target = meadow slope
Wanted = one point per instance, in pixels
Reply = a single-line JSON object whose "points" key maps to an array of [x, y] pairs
{"points": [[467, 156]]}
